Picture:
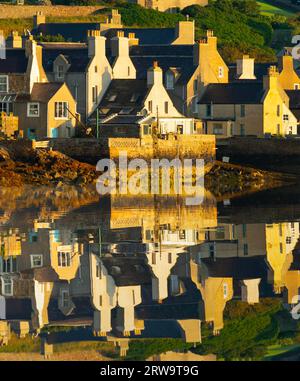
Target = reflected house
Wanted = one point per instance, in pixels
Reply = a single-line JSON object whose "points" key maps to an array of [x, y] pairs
{"points": [[116, 284]]}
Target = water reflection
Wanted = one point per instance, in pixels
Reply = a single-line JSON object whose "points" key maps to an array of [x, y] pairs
{"points": [[120, 271]]}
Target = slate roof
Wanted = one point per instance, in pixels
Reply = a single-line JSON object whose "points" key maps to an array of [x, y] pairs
{"points": [[294, 96], [76, 56], [41, 92], [239, 268], [173, 56], [146, 36], [241, 92], [18, 308], [75, 32], [15, 62], [124, 93], [260, 70]]}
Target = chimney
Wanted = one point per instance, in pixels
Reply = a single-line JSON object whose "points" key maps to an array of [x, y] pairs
{"points": [[286, 62], [154, 75], [245, 68], [14, 40], [250, 290], [120, 45], [96, 43], [35, 71], [185, 33], [205, 47], [38, 18], [133, 40], [271, 80], [211, 39]]}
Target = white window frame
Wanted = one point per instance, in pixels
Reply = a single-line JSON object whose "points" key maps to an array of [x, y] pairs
{"points": [[65, 300], [32, 259], [6, 78], [29, 105], [67, 262], [296, 86], [285, 117], [170, 81], [11, 283], [60, 73], [56, 108]]}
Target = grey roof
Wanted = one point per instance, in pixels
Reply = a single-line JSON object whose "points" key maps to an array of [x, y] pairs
{"points": [[15, 61], [18, 308], [240, 92], [260, 70], [75, 32], [124, 93], [173, 56], [147, 36], [294, 96], [41, 92], [76, 56]]}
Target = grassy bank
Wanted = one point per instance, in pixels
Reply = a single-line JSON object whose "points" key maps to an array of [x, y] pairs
{"points": [[270, 10]]}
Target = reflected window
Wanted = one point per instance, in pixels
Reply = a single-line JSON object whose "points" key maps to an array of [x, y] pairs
{"points": [[64, 259], [36, 260], [7, 286]]}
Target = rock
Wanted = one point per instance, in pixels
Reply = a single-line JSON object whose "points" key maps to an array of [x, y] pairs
{"points": [[4, 154]]}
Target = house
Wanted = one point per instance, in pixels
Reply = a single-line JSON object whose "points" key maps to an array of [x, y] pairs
{"points": [[84, 68], [188, 69], [49, 111], [183, 33], [168, 5], [247, 107], [131, 102]]}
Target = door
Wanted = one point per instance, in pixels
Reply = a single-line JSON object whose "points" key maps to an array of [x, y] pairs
{"points": [[54, 133]]}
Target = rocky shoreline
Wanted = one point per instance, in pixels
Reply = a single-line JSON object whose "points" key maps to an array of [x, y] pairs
{"points": [[46, 167]]}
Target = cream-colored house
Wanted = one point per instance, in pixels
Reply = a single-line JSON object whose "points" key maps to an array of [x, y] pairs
{"points": [[247, 107]]}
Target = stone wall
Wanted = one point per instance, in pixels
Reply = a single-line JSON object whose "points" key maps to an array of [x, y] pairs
{"points": [[28, 11], [182, 146]]}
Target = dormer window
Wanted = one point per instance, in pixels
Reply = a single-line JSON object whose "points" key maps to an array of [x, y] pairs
{"points": [[170, 81], [221, 72], [3, 83], [60, 71]]}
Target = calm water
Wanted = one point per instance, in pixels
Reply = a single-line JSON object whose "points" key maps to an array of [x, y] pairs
{"points": [[149, 277]]}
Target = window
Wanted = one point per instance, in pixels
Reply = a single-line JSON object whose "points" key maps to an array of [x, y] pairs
{"points": [[278, 129], [61, 110], [280, 230], [296, 86], [8, 265], [212, 250], [285, 117], [65, 298], [95, 93], [96, 69], [147, 130], [33, 237], [3, 83], [221, 72], [169, 258], [278, 110], [242, 128], [170, 81], [128, 71], [288, 240], [6, 107], [36, 260], [245, 249], [195, 105], [225, 290], [153, 258], [244, 230], [33, 110], [64, 259], [281, 248], [217, 129], [150, 106], [60, 71], [243, 111], [7, 286], [209, 110], [166, 107], [100, 300], [98, 271], [195, 85]]}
